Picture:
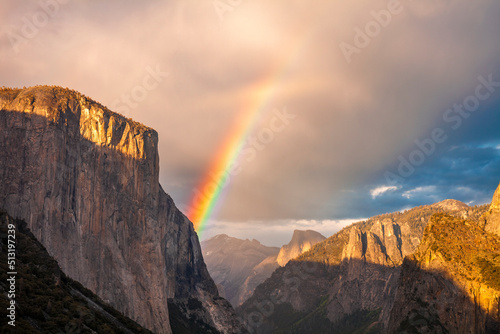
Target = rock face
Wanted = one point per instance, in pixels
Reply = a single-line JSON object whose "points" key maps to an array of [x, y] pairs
{"points": [[47, 301], [301, 242], [451, 284], [346, 283], [238, 266], [492, 217], [86, 182]]}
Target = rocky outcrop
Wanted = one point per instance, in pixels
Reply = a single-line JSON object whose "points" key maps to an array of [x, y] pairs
{"points": [[301, 242], [346, 283], [451, 284], [390, 237], [238, 266], [492, 217], [85, 179]]}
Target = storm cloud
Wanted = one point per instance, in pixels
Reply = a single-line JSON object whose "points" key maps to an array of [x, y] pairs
{"points": [[366, 81]]}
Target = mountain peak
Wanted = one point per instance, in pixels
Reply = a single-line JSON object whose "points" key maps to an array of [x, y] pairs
{"points": [[234, 262], [301, 242], [450, 205], [299, 236]]}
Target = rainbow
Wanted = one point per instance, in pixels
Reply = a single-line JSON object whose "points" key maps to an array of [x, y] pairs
{"points": [[210, 189]]}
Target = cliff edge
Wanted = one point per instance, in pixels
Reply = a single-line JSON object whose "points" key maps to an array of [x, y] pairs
{"points": [[85, 180]]}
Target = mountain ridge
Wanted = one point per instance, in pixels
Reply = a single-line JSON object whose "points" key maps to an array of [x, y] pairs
{"points": [[345, 278], [450, 205], [238, 265], [232, 262]]}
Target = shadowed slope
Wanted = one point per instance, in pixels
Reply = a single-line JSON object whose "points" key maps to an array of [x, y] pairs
{"points": [[344, 279], [47, 301]]}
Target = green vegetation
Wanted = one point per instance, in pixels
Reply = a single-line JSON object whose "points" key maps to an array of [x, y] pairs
{"points": [[415, 322], [285, 317], [291, 322], [470, 251], [47, 301], [329, 251]]}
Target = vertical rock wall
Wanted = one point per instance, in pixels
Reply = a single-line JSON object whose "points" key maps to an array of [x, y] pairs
{"points": [[86, 181]]}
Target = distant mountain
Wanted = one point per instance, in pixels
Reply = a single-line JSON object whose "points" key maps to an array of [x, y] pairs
{"points": [[301, 242], [48, 301], [348, 282], [450, 205], [238, 266], [232, 261]]}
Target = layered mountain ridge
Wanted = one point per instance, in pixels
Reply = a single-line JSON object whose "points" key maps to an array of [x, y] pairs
{"points": [[238, 266], [233, 262], [348, 282], [85, 180]]}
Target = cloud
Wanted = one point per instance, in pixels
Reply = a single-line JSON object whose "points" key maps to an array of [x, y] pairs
{"points": [[353, 120], [427, 190], [381, 190], [468, 173]]}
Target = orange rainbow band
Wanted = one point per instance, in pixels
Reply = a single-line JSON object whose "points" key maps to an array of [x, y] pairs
{"points": [[210, 189]]}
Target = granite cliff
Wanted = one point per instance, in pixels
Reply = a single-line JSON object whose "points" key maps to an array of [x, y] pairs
{"points": [[85, 180], [348, 282], [452, 283], [492, 217], [47, 301], [301, 242]]}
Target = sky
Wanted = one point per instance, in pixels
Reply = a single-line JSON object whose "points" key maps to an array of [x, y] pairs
{"points": [[327, 112]]}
